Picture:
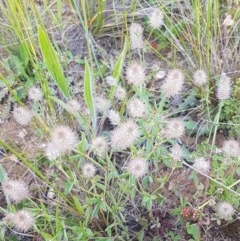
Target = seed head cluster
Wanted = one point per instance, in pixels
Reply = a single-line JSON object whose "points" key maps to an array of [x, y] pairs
{"points": [[136, 36], [136, 108], [224, 88], [63, 139], [22, 116], [175, 128], [73, 106], [15, 190], [137, 167], [156, 18], [35, 94], [231, 148], [124, 135], [135, 74], [173, 84], [88, 170], [200, 78], [202, 165], [22, 220], [176, 152], [99, 146], [102, 104], [114, 117], [120, 93], [225, 210]]}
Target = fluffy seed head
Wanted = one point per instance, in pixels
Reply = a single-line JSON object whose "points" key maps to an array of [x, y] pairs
{"points": [[176, 152], [23, 220], [231, 148], [125, 135], [200, 78], [160, 74], [228, 21], [136, 108], [73, 106], [202, 165], [110, 81], [120, 93], [114, 117], [136, 36], [156, 18], [137, 167], [35, 94], [175, 128], [52, 151], [64, 138], [22, 116], [173, 84], [15, 190], [99, 146], [88, 170], [135, 74], [102, 104], [225, 210], [224, 88]]}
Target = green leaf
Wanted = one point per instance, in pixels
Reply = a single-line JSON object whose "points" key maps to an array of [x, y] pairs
{"points": [[52, 62], [88, 92], [193, 230], [118, 67], [78, 205], [3, 174]]}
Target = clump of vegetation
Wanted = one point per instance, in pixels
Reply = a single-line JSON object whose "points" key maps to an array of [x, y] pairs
{"points": [[133, 140]]}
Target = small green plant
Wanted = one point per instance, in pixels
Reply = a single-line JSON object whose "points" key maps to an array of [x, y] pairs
{"points": [[104, 155]]}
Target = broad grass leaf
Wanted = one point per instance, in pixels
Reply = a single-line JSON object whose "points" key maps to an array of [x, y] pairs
{"points": [[52, 62], [88, 92]]}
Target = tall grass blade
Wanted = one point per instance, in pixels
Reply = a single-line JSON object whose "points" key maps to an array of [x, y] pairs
{"points": [[88, 93], [52, 62]]}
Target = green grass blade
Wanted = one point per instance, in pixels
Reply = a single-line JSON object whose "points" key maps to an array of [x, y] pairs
{"points": [[118, 67], [88, 93], [52, 62]]}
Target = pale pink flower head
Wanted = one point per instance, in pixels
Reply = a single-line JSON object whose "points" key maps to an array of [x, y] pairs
{"points": [[174, 128], [136, 108], [224, 88], [102, 104], [200, 77], [136, 36], [176, 152], [135, 74], [99, 146], [137, 167], [88, 170], [120, 93], [111, 81], [231, 148], [73, 106], [156, 18], [35, 94], [225, 210], [124, 135], [23, 220], [15, 190], [64, 138], [173, 84], [52, 151], [114, 117], [22, 116], [202, 165], [228, 21]]}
